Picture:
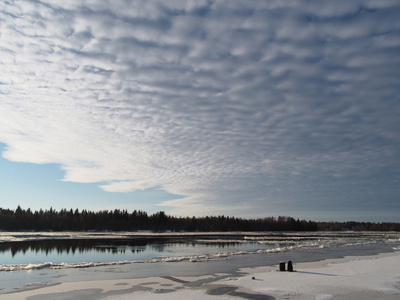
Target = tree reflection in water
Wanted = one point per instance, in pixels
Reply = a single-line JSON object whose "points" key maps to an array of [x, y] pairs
{"points": [[73, 246], [107, 246]]}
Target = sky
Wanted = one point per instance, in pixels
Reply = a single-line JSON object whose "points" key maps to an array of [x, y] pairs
{"points": [[239, 108]]}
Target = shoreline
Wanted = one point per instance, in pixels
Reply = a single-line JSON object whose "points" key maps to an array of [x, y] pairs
{"points": [[351, 277]]}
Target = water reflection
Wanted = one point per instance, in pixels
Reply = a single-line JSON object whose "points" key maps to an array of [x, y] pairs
{"points": [[72, 247]]}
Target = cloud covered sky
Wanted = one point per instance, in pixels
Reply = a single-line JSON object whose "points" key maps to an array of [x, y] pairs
{"points": [[244, 108]]}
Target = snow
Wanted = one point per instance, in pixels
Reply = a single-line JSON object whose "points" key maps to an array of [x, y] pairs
{"points": [[328, 279], [364, 277], [185, 294]]}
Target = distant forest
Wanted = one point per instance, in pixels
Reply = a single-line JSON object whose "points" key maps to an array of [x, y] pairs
{"points": [[120, 220]]}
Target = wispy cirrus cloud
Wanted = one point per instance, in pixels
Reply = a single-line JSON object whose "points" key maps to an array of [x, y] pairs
{"points": [[241, 107]]}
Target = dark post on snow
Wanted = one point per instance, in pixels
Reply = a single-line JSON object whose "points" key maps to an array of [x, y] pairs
{"points": [[282, 266], [290, 266]]}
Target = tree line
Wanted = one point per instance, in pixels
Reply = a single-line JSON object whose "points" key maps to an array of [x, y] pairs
{"points": [[359, 226], [121, 220]]}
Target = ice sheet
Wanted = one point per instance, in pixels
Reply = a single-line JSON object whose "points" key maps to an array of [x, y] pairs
{"points": [[368, 277]]}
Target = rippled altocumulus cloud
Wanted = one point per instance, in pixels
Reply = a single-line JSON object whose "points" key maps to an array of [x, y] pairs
{"points": [[241, 106]]}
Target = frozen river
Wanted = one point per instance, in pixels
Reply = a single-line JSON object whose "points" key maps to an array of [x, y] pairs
{"points": [[35, 259]]}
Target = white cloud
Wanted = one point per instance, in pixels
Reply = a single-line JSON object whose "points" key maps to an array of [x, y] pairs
{"points": [[195, 97]]}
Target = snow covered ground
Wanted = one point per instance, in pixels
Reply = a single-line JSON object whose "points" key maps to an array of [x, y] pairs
{"points": [[373, 277], [367, 277]]}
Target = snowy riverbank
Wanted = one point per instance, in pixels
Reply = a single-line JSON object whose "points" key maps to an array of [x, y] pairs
{"points": [[363, 277]]}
